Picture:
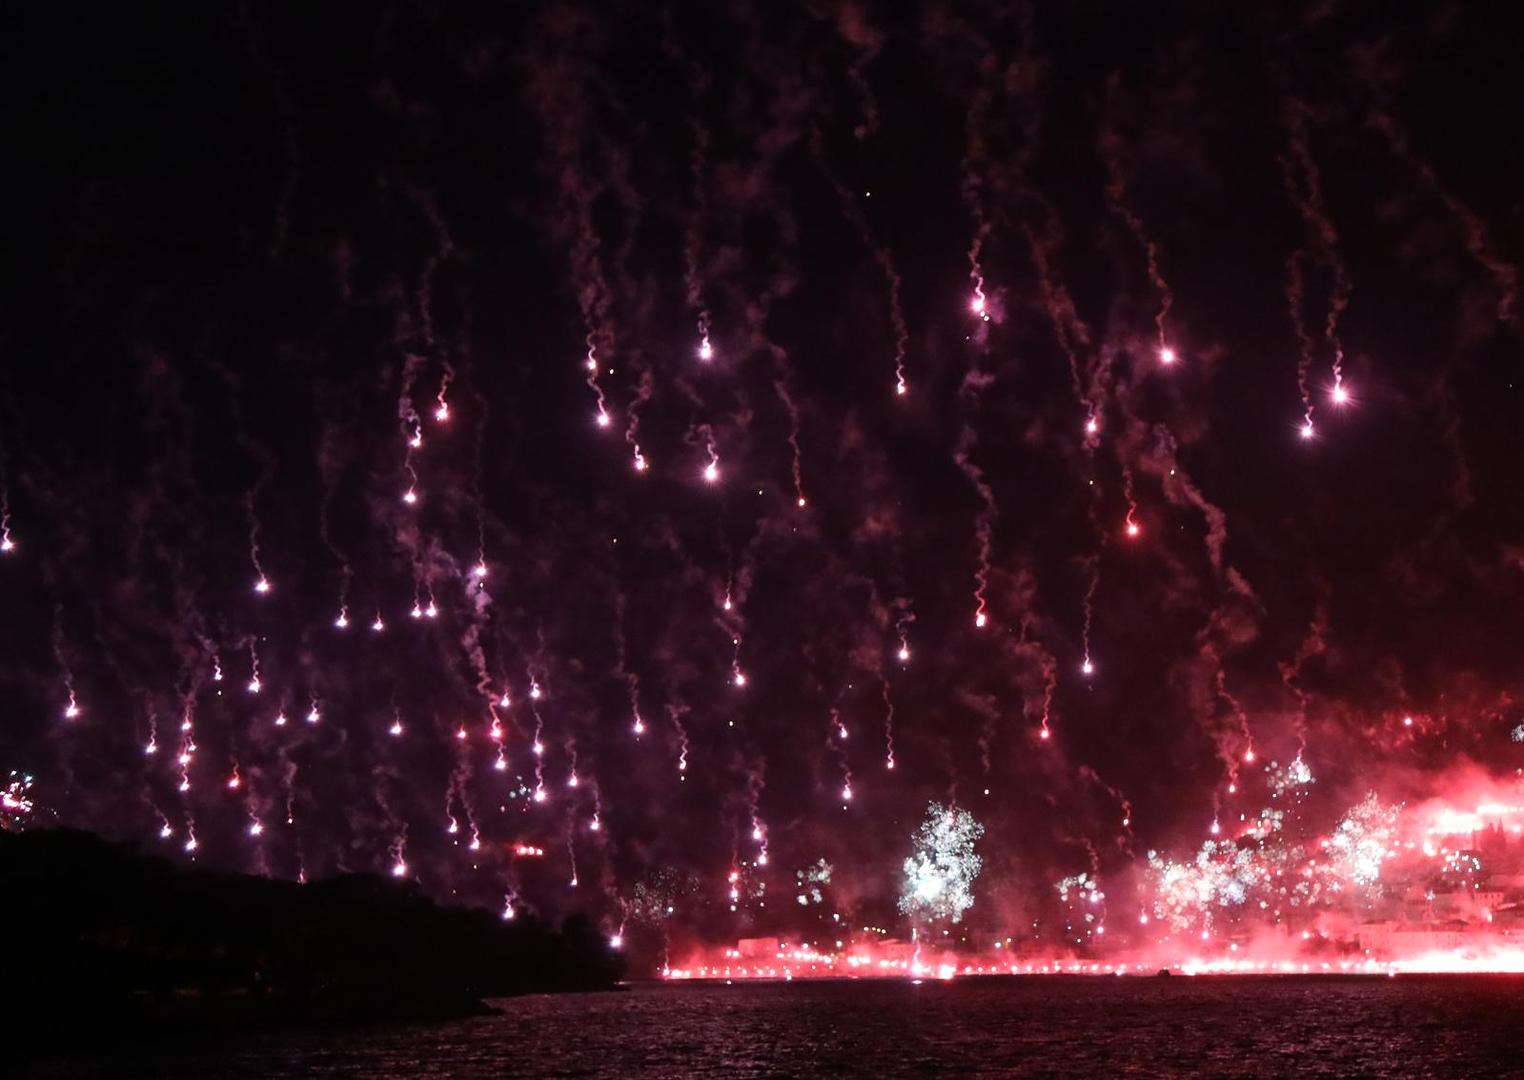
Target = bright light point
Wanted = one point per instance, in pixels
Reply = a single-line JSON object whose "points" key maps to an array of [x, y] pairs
{"points": [[801, 502], [539, 794], [756, 833], [712, 472], [980, 620], [740, 679], [1307, 429], [762, 859], [572, 780], [190, 845], [1407, 721], [846, 793], [539, 748], [431, 611], [312, 716], [534, 692], [1133, 528], [233, 782], [399, 869], [166, 832], [706, 350], [417, 612], [480, 570], [1087, 667], [603, 419], [395, 729], [71, 711], [1249, 756], [255, 829], [342, 622], [416, 441], [262, 586], [903, 654], [280, 720], [616, 942], [1340, 395], [460, 734], [1092, 426], [1044, 734], [151, 748], [976, 305], [442, 413], [640, 462], [410, 496], [1166, 355], [1216, 828], [501, 765], [7, 544], [900, 388], [378, 625], [639, 728]]}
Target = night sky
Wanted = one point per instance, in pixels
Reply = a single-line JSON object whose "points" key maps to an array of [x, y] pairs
{"points": [[1208, 324]]}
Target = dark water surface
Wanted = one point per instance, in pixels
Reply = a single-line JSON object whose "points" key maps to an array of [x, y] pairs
{"points": [[1041, 1026]]}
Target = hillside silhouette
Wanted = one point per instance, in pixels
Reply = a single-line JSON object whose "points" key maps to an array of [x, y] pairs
{"points": [[122, 943]]}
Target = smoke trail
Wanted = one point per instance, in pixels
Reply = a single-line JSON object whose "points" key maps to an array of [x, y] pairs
{"points": [[1068, 328], [329, 471], [972, 181], [1310, 205], [560, 83], [1294, 293], [1505, 277], [1093, 564], [1313, 644], [1180, 490], [1110, 144], [7, 543], [881, 255], [443, 250], [973, 385], [632, 427], [866, 41]]}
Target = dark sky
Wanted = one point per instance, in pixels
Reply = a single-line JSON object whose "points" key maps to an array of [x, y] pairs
{"points": [[250, 250]]}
